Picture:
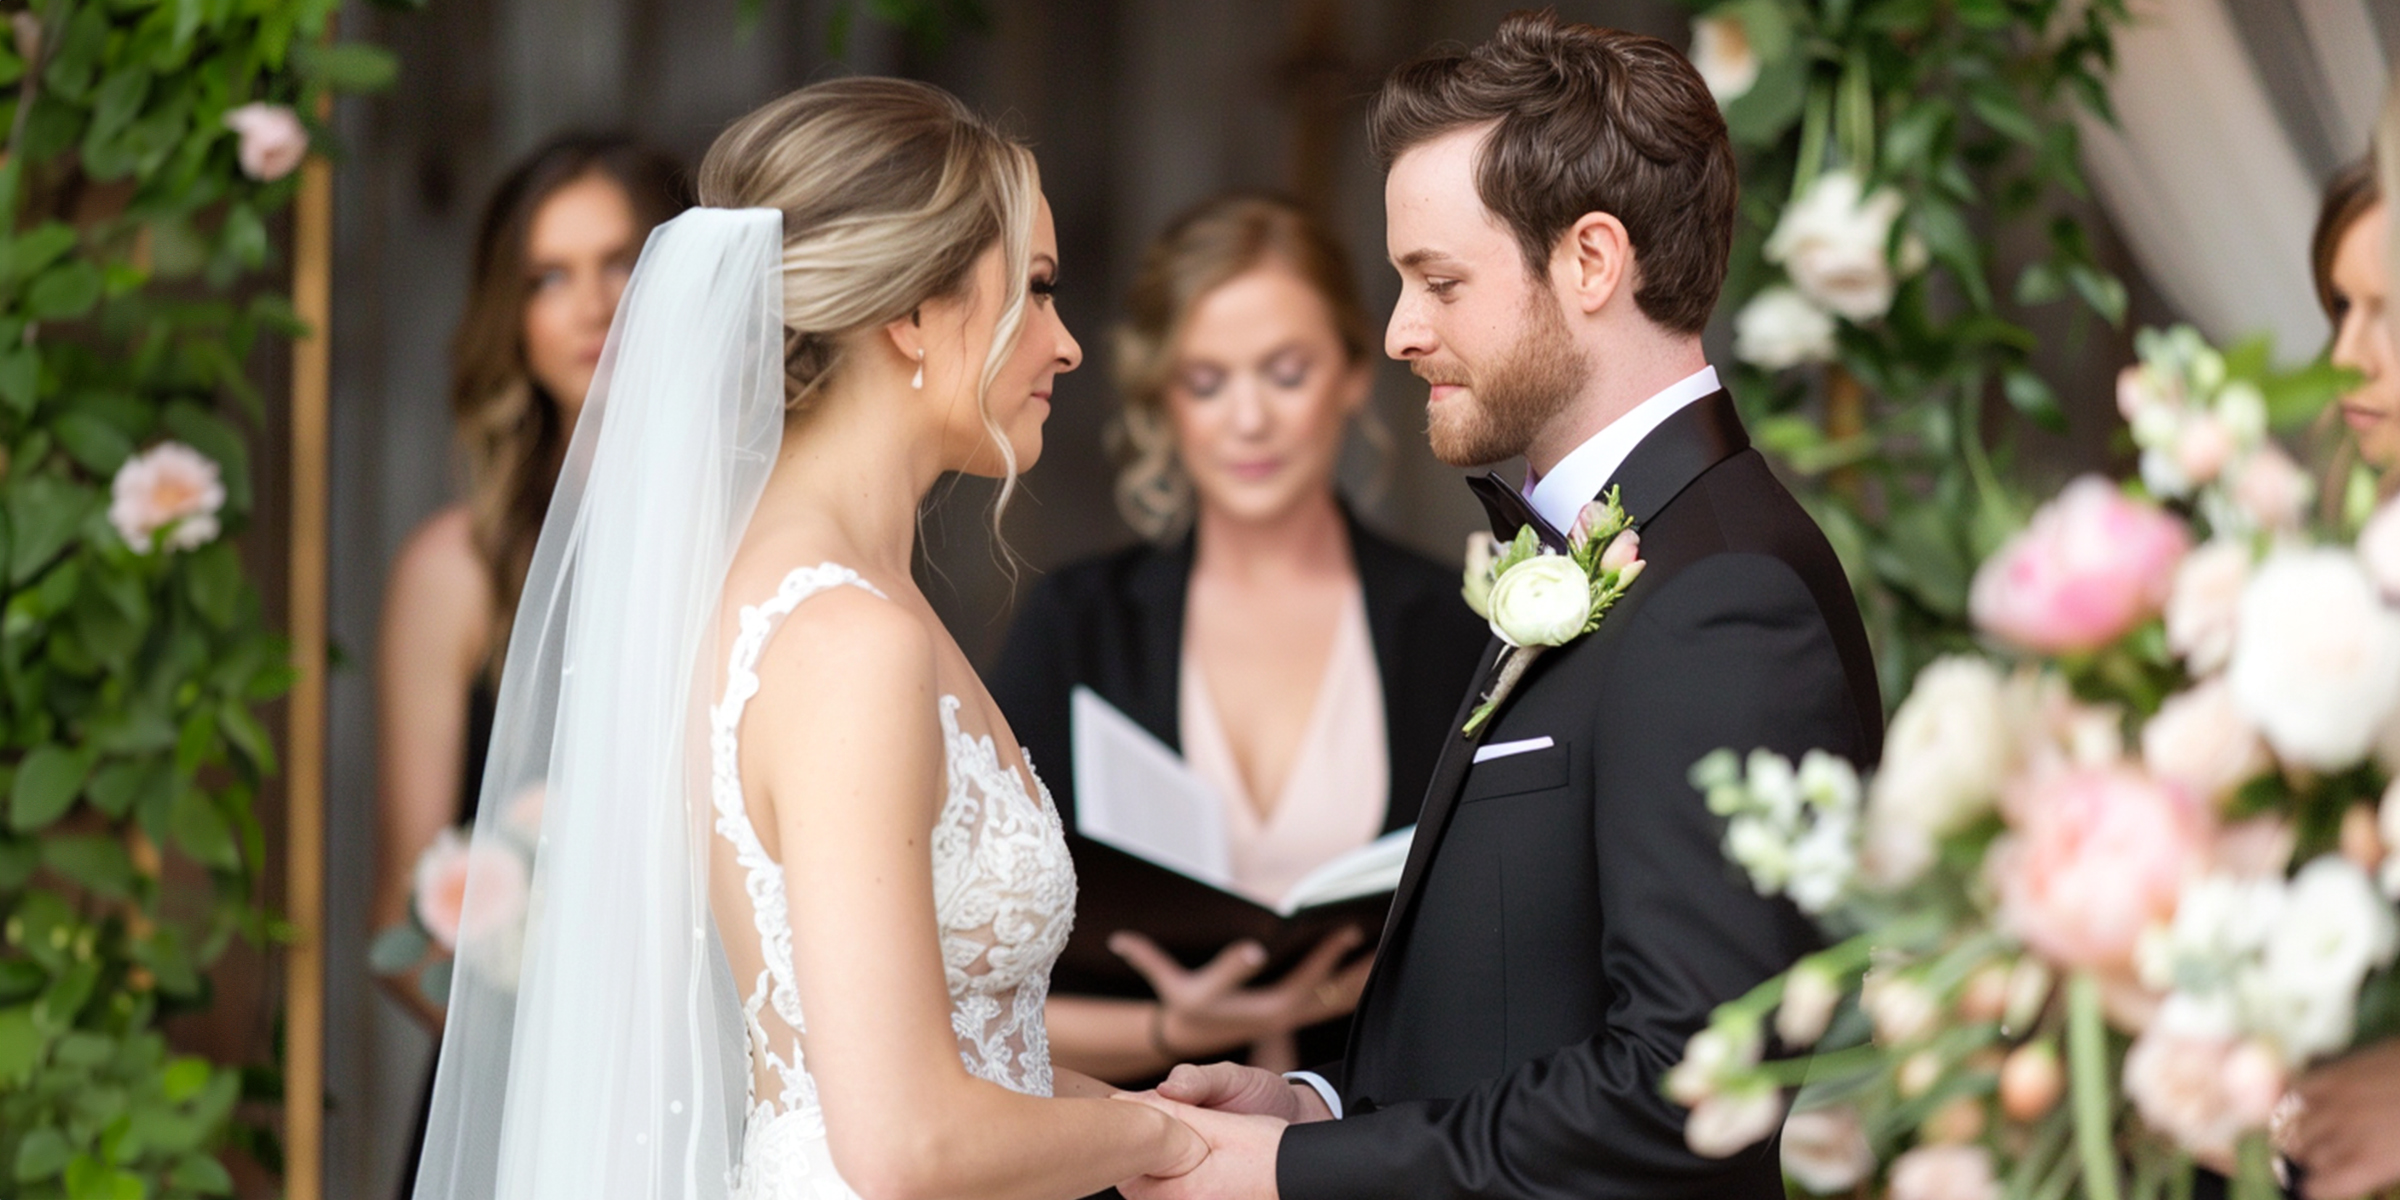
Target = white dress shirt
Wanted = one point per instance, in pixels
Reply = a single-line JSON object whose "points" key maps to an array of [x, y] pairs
{"points": [[1578, 478]]}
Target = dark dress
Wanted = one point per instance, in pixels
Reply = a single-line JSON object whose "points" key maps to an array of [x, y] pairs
{"points": [[1115, 624], [482, 705]]}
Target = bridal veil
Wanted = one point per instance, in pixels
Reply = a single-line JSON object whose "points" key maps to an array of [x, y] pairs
{"points": [[595, 1048]]}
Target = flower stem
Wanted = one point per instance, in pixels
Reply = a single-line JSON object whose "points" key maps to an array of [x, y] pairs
{"points": [[1510, 672], [2087, 1071]]}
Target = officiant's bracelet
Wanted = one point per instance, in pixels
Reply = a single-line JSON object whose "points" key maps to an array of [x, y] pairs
{"points": [[1158, 1034]]}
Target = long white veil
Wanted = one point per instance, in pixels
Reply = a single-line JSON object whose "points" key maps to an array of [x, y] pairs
{"points": [[596, 1050]]}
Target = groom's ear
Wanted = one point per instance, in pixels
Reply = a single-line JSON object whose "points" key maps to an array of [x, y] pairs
{"points": [[1593, 262]]}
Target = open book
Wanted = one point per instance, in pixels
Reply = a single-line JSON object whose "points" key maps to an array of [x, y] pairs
{"points": [[1150, 857]]}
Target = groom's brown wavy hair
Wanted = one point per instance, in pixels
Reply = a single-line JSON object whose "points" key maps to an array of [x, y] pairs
{"points": [[1585, 120]]}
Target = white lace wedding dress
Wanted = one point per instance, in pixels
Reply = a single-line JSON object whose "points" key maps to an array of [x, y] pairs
{"points": [[1004, 896]]}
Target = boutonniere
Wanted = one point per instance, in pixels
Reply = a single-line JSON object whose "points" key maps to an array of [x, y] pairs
{"points": [[1536, 598]]}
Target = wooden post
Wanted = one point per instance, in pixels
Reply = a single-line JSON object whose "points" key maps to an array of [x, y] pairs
{"points": [[304, 850]]}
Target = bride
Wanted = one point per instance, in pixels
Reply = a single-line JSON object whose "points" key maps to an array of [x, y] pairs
{"points": [[797, 893]]}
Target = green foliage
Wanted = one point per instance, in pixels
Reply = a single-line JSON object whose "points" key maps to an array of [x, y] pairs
{"points": [[131, 754], [1966, 111]]}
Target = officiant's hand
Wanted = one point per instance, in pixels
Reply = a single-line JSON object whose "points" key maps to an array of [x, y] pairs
{"points": [[1209, 1011], [2341, 1129]]}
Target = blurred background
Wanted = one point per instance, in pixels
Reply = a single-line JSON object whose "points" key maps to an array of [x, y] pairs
{"points": [[2201, 203]]}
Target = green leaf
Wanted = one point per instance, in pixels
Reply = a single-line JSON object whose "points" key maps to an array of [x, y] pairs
{"points": [[2040, 283], [349, 66], [205, 1175], [18, 860], [94, 861], [2103, 291], [247, 735], [43, 515], [113, 788], [208, 433], [21, 1043], [42, 1155], [2029, 395], [184, 1078], [64, 292], [213, 579], [90, 1179], [96, 445], [47, 782], [202, 832], [39, 247], [20, 377]]}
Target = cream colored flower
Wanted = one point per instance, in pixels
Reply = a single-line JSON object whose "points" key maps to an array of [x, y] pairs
{"points": [[1810, 993], [2316, 658], [2203, 603], [1834, 240], [273, 140], [172, 490], [2379, 549], [1780, 328], [1944, 1173], [2201, 739], [1483, 550], [1948, 750], [1733, 1120], [1825, 1150], [1543, 601], [1721, 52]]}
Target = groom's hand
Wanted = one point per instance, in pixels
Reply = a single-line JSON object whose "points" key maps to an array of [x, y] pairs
{"points": [[1231, 1088], [1241, 1156]]}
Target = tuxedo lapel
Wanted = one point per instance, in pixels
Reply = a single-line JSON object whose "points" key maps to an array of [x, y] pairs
{"points": [[1698, 436], [1441, 795]]}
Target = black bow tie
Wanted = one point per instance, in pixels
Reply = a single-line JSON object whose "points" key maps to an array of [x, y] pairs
{"points": [[1509, 511]]}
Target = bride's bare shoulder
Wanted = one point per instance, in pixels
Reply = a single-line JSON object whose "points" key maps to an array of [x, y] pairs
{"points": [[847, 641]]}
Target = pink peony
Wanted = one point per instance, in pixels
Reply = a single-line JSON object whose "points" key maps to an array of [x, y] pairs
{"points": [[1944, 1173], [2099, 854], [273, 140], [2093, 564], [171, 489], [2204, 1093], [452, 868]]}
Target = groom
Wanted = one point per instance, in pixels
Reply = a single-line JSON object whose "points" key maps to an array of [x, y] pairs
{"points": [[1560, 205]]}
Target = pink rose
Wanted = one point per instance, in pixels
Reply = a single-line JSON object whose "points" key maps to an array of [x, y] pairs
{"points": [[2093, 564], [173, 489], [2201, 740], [273, 140], [454, 867], [2099, 854], [2204, 1093], [1944, 1173], [2202, 448]]}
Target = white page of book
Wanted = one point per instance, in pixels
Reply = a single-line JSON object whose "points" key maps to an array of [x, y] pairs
{"points": [[1137, 795], [1374, 867]]}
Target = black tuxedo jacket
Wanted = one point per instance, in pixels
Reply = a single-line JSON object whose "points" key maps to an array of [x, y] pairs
{"points": [[1567, 920]]}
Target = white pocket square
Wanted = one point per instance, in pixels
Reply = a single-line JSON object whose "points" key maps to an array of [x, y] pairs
{"points": [[1484, 754]]}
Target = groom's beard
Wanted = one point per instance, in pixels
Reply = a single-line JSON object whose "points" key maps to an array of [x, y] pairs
{"points": [[1517, 396]]}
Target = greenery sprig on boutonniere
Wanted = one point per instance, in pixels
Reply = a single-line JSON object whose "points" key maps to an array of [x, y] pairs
{"points": [[1536, 598]]}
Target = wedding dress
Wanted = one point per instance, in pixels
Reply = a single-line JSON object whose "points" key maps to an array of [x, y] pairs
{"points": [[1004, 897]]}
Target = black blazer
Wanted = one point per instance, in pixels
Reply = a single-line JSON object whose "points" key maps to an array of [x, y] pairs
{"points": [[1115, 624], [1567, 920]]}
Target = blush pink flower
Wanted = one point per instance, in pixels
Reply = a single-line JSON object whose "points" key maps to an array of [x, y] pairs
{"points": [[170, 489], [2098, 855], [452, 868], [1944, 1173], [2204, 1093], [272, 140], [2093, 564]]}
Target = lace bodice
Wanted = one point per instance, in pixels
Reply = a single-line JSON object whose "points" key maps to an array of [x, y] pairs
{"points": [[1004, 897]]}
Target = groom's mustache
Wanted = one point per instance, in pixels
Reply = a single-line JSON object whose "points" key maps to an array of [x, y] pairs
{"points": [[1438, 375]]}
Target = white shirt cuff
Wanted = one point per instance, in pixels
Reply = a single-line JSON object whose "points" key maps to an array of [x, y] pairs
{"points": [[1324, 1090]]}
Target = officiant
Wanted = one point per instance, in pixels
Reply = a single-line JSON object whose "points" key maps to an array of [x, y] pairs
{"points": [[1305, 667]]}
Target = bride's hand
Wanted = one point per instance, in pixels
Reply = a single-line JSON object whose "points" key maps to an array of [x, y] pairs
{"points": [[1208, 1011], [1186, 1149]]}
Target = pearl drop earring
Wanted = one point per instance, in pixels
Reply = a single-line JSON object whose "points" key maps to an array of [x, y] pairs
{"points": [[918, 382]]}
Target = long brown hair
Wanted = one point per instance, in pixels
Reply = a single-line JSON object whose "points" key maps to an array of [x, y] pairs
{"points": [[2351, 194], [513, 431], [1207, 247]]}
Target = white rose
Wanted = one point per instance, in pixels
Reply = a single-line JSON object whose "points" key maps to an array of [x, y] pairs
{"points": [[2316, 658], [2334, 928], [1947, 750], [1810, 994], [168, 496], [2379, 549], [1733, 1120], [2200, 739], [1825, 1149], [1722, 54], [1543, 601], [1833, 240], [1780, 329], [2203, 603]]}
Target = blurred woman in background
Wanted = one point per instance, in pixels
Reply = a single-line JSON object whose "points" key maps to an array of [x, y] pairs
{"points": [[1305, 668], [552, 254]]}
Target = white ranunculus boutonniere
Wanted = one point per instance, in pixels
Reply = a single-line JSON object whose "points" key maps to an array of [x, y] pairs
{"points": [[1536, 598]]}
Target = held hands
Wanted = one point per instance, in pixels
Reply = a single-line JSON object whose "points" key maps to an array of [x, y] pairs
{"points": [[1209, 1011], [1238, 1163]]}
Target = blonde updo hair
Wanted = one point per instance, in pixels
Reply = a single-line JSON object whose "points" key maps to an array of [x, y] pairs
{"points": [[890, 191], [1207, 247]]}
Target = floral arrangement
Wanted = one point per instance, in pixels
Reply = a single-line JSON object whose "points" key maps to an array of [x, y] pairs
{"points": [[1536, 597], [437, 934], [2121, 875]]}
